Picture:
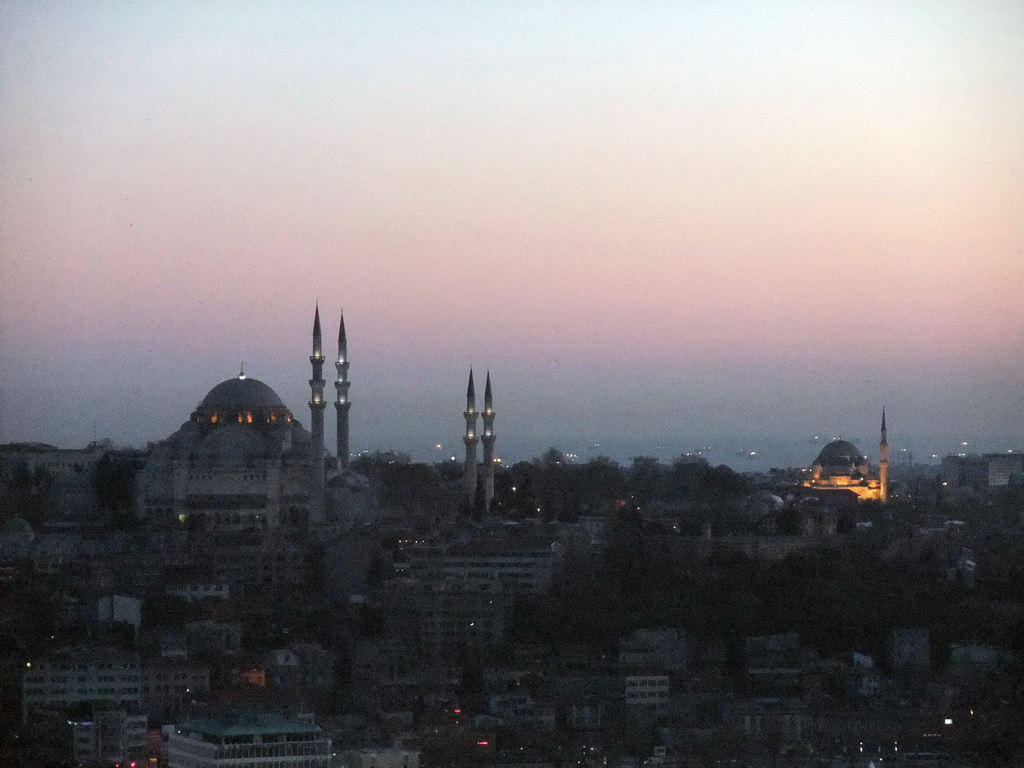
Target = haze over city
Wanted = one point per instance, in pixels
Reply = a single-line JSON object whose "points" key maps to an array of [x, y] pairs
{"points": [[676, 227]]}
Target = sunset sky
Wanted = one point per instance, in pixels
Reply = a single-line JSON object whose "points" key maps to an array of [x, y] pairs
{"points": [[661, 225]]}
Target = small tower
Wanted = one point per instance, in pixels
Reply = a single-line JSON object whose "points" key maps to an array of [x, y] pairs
{"points": [[470, 439], [316, 419], [883, 464], [342, 404], [488, 441]]}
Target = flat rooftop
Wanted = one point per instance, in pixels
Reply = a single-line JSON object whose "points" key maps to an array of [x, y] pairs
{"points": [[242, 723]]}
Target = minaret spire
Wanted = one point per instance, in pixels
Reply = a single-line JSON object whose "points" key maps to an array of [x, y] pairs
{"points": [[342, 404], [470, 439], [318, 347], [316, 418], [488, 441], [883, 463]]}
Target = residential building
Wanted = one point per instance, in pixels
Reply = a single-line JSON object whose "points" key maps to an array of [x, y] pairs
{"points": [[990, 470], [302, 667], [438, 619], [191, 592], [661, 649], [646, 692], [521, 710], [168, 685], [788, 719], [78, 675], [520, 567], [107, 735]]}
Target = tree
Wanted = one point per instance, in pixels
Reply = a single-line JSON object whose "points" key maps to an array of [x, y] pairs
{"points": [[645, 480], [28, 493]]}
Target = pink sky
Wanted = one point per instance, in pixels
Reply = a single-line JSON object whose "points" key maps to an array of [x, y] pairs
{"points": [[680, 221]]}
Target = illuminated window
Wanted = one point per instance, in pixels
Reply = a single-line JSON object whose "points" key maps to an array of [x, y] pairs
{"points": [[213, 419], [248, 417]]}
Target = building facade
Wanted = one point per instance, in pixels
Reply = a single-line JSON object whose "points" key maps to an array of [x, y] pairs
{"points": [[520, 567], [168, 685], [80, 675], [251, 739]]}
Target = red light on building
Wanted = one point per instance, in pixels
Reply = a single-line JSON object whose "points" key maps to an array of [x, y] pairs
{"points": [[457, 711], [483, 743]]}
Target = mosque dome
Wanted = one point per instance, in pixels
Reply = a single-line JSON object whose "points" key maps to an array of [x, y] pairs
{"points": [[241, 393], [241, 400], [839, 453]]}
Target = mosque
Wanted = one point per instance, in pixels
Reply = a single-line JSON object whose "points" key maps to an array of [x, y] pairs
{"points": [[840, 466], [243, 461]]}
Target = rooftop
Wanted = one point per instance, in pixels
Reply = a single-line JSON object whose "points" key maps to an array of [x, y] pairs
{"points": [[249, 722]]}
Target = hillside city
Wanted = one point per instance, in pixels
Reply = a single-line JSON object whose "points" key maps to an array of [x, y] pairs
{"points": [[234, 595], [590, 614]]}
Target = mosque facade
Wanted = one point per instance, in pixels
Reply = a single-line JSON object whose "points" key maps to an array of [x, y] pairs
{"points": [[841, 466]]}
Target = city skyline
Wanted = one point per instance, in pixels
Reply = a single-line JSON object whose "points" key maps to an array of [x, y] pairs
{"points": [[664, 228]]}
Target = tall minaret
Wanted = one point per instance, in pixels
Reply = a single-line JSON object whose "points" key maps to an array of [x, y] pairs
{"points": [[316, 419], [488, 441], [342, 403], [883, 464], [470, 439]]}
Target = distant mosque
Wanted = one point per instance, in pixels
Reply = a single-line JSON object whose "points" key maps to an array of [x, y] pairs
{"points": [[243, 461], [471, 474], [841, 466]]}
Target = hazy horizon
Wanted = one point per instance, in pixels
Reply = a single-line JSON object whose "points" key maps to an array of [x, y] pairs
{"points": [[734, 225]]}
